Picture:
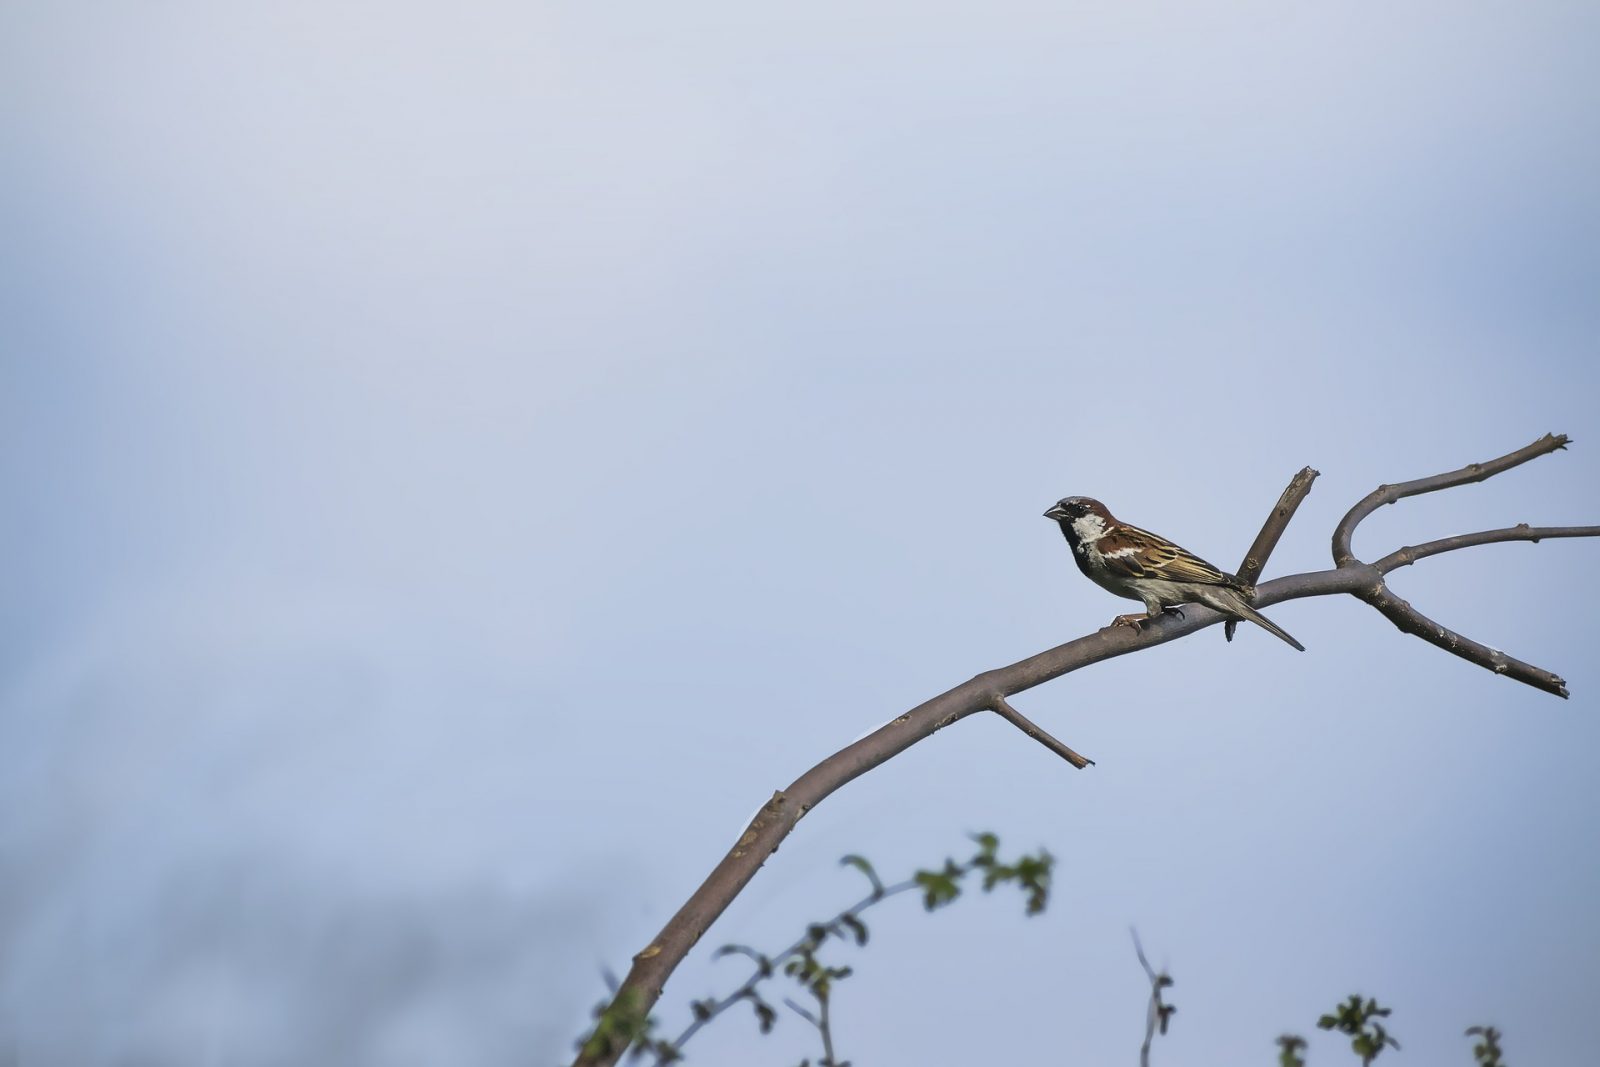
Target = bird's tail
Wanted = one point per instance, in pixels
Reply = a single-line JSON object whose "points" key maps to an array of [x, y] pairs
{"points": [[1267, 624], [1236, 602]]}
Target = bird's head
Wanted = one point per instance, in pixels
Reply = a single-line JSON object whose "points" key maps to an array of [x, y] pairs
{"points": [[1072, 508]]}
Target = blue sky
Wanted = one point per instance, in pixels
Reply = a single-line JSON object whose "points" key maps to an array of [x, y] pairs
{"points": [[463, 460]]}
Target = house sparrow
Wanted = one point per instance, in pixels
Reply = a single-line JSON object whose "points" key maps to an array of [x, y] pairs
{"points": [[1140, 565]]}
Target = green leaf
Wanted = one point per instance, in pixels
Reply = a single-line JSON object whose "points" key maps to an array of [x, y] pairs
{"points": [[938, 888], [860, 863]]}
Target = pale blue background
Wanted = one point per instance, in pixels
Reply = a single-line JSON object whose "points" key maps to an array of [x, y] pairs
{"points": [[460, 459]]}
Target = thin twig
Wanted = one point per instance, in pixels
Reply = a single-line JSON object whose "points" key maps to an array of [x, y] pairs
{"points": [[772, 963], [825, 1027], [821, 1022], [1472, 472], [1520, 532], [1159, 1012], [1038, 733], [800, 1010], [1261, 548]]}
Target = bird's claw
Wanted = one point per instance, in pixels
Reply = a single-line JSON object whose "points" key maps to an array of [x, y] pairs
{"points": [[1139, 622]]}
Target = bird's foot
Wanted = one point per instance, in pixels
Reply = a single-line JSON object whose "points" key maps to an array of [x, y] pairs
{"points": [[1139, 622]]}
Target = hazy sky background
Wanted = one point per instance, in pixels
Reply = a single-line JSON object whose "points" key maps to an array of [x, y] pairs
{"points": [[460, 459]]}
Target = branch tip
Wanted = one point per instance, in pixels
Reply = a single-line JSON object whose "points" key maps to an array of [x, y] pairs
{"points": [[1255, 558], [1408, 619], [1001, 707]]}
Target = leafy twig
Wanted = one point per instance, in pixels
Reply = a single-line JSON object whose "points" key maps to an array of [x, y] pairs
{"points": [[1487, 1052], [1289, 1048], [1030, 873], [1160, 1012], [1355, 1018]]}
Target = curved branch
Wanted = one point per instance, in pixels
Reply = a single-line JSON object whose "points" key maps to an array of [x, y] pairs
{"points": [[638, 993], [1520, 532], [651, 967], [779, 815], [1472, 472]]}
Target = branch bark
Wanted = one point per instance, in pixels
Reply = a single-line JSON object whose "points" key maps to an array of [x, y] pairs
{"points": [[1038, 733], [1472, 472], [1520, 532], [1261, 548], [990, 690]]}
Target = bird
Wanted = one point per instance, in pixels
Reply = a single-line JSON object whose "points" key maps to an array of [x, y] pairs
{"points": [[1137, 564]]}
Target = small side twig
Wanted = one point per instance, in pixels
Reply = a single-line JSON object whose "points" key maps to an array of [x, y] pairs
{"points": [[824, 1028], [1030, 873], [766, 966], [1409, 620], [1038, 733], [1261, 548], [1521, 532], [1160, 1013]]}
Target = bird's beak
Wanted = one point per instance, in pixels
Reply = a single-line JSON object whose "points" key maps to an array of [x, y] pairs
{"points": [[1058, 513]]}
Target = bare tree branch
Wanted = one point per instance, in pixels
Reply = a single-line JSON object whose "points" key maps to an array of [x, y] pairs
{"points": [[1520, 532], [1267, 540], [1413, 622], [1472, 472], [1027, 726], [989, 690]]}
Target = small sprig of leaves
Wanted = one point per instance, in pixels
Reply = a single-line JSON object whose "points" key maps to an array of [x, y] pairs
{"points": [[1160, 1013], [1486, 1052], [1289, 1049], [939, 887], [1355, 1018], [620, 1025], [817, 979]]}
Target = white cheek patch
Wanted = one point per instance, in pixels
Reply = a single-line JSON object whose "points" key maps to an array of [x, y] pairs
{"points": [[1090, 528]]}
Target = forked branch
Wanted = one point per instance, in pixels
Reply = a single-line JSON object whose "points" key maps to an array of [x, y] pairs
{"points": [[1472, 472], [638, 993]]}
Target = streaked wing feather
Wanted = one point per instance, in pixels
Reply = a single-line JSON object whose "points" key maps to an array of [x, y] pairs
{"points": [[1160, 558]]}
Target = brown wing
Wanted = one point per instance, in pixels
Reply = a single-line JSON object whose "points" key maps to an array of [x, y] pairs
{"points": [[1159, 558]]}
